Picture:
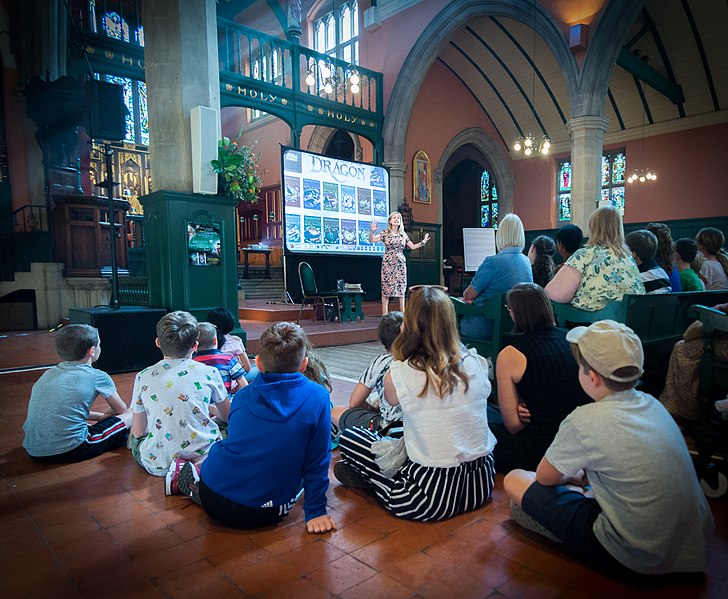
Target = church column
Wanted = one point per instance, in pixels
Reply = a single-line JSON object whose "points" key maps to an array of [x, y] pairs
{"points": [[396, 183], [190, 238], [587, 140], [181, 71]]}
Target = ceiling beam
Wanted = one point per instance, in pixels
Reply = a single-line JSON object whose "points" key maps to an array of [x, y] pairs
{"points": [[644, 72]]}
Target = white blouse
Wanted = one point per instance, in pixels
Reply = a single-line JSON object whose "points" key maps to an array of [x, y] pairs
{"points": [[448, 431]]}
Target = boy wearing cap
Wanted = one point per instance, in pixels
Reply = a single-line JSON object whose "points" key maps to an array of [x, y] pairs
{"points": [[645, 513]]}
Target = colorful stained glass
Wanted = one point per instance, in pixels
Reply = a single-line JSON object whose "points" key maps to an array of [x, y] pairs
{"points": [[485, 187], [494, 209], [605, 170], [139, 35], [618, 199], [115, 26], [125, 82], [605, 194], [485, 215], [565, 176], [143, 113], [494, 193], [565, 206], [619, 165]]}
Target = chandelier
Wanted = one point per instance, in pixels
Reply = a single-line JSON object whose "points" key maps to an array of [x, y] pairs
{"points": [[331, 76], [642, 174], [528, 144]]}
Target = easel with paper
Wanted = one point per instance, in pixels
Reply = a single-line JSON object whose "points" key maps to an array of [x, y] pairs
{"points": [[478, 244]]}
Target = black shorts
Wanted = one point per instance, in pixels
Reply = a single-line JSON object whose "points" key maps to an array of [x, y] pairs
{"points": [[235, 515], [101, 437], [570, 516]]}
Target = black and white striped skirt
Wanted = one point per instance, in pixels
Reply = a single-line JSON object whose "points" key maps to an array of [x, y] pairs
{"points": [[419, 492]]}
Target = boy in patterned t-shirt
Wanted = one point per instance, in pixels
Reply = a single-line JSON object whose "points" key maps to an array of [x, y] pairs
{"points": [[171, 401], [367, 406]]}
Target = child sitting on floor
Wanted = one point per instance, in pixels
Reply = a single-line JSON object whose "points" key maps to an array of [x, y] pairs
{"points": [[56, 431], [231, 371], [643, 245], [171, 402], [225, 322], [645, 512], [278, 436], [367, 406]]}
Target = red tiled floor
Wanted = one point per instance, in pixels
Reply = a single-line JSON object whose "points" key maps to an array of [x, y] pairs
{"points": [[104, 527]]}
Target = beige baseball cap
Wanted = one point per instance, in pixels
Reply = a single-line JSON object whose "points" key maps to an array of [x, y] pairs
{"points": [[608, 346]]}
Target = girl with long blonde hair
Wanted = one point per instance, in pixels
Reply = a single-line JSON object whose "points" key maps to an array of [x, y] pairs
{"points": [[444, 465]]}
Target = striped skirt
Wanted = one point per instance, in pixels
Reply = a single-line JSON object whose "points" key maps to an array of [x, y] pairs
{"points": [[420, 492]]}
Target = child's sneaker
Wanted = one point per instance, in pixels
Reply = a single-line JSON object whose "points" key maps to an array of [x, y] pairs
{"points": [[529, 523], [170, 480], [188, 482], [349, 476]]}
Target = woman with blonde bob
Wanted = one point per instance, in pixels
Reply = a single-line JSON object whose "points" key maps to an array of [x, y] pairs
{"points": [[600, 272], [497, 274], [442, 388]]}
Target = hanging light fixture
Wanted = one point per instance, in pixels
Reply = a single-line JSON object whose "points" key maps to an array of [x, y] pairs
{"points": [[642, 174], [329, 77], [528, 145]]}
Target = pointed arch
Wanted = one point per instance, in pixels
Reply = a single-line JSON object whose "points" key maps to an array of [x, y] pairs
{"points": [[493, 152], [435, 37]]}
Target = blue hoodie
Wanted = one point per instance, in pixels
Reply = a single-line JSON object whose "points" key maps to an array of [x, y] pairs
{"points": [[279, 431]]}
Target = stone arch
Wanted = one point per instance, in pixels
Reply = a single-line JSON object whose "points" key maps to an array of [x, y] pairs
{"points": [[434, 38], [321, 137], [601, 56], [496, 156]]}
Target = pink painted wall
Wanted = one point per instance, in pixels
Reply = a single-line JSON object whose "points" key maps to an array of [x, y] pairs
{"points": [[534, 191], [443, 109], [690, 167]]}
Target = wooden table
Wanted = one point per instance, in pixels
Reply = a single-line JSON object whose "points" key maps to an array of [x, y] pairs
{"points": [[247, 251], [349, 312]]}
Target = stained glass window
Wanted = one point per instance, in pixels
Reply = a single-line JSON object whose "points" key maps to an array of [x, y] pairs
{"points": [[618, 168], [135, 100], [485, 215], [613, 178], [115, 26], [488, 201], [565, 206], [605, 170], [613, 167], [563, 190]]}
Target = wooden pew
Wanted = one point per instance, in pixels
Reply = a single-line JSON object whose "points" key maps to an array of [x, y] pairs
{"points": [[493, 308]]}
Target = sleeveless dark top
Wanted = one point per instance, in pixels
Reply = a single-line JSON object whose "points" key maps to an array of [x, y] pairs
{"points": [[550, 389]]}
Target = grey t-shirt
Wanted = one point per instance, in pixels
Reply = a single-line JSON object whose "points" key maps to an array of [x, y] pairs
{"points": [[654, 518], [59, 404]]}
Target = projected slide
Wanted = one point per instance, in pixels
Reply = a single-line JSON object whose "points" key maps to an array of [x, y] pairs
{"points": [[329, 204]]}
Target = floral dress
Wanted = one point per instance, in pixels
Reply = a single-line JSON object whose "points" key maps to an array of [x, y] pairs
{"points": [[604, 277], [394, 265]]}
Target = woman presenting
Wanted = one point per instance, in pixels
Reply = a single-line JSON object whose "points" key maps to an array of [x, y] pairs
{"points": [[394, 265]]}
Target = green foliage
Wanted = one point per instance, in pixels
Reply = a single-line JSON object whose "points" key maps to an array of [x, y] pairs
{"points": [[237, 165]]}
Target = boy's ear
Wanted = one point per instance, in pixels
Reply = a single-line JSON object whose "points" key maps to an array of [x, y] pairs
{"points": [[304, 364], [156, 342], [259, 363], [596, 379]]}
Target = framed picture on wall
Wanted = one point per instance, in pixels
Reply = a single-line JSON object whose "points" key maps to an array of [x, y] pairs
{"points": [[421, 178]]}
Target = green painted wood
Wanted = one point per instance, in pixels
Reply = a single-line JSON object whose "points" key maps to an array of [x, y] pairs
{"points": [[174, 283]]}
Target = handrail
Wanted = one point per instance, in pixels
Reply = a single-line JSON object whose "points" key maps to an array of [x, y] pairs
{"points": [[36, 220], [284, 64]]}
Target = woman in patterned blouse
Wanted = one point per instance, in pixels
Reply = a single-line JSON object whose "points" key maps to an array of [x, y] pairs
{"points": [[600, 272]]}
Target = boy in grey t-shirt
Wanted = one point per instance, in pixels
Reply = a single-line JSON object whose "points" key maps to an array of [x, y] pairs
{"points": [[617, 484], [56, 429]]}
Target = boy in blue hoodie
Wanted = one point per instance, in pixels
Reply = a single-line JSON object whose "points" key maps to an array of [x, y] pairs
{"points": [[278, 435]]}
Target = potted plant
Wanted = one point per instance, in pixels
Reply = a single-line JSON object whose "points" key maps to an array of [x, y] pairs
{"points": [[237, 165]]}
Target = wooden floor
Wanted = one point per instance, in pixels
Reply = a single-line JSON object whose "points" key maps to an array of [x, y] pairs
{"points": [[104, 528]]}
